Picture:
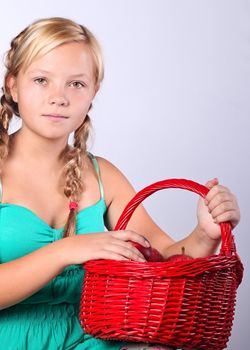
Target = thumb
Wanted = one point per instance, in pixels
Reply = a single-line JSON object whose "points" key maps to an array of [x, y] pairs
{"points": [[211, 183]]}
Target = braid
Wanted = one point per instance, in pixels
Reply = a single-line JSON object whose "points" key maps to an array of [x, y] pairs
{"points": [[72, 172], [7, 106], [10, 59], [6, 113]]}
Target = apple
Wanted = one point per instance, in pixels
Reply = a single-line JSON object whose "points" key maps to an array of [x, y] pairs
{"points": [[149, 253], [155, 256], [179, 257]]}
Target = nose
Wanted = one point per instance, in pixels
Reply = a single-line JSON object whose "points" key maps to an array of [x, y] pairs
{"points": [[58, 97]]}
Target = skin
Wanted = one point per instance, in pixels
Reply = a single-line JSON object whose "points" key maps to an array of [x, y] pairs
{"points": [[38, 145]]}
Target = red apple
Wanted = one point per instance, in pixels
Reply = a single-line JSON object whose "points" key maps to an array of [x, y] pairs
{"points": [[155, 256], [150, 254], [179, 257]]}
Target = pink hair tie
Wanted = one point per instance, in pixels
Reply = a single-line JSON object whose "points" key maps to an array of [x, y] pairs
{"points": [[73, 205]]}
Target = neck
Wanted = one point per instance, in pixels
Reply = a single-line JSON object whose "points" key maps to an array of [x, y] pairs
{"points": [[35, 150]]}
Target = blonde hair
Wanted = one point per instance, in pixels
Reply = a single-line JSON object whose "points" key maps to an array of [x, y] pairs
{"points": [[33, 42]]}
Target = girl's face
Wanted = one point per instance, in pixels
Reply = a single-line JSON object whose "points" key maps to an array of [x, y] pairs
{"points": [[55, 92]]}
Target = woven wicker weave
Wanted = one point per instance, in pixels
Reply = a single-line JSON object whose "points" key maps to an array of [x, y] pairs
{"points": [[187, 304]]}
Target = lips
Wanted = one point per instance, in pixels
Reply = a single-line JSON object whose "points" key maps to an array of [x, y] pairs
{"points": [[55, 116]]}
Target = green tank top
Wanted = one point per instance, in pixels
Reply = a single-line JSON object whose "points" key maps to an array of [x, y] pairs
{"points": [[48, 320]]}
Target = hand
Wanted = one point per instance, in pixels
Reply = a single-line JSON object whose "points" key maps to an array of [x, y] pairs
{"points": [[220, 205], [104, 245]]}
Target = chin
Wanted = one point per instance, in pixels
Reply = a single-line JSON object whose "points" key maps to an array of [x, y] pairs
{"points": [[51, 135]]}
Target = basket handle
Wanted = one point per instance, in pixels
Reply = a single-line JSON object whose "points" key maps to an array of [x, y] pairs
{"points": [[227, 246]]}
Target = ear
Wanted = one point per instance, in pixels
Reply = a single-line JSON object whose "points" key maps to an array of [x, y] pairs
{"points": [[12, 85]]}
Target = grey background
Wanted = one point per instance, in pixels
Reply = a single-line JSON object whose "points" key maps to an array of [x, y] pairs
{"points": [[174, 102]]}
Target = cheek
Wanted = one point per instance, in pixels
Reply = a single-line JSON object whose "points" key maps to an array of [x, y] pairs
{"points": [[81, 103], [29, 98], [78, 122]]}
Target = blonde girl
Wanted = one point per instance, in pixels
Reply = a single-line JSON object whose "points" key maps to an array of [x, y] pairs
{"points": [[57, 199]]}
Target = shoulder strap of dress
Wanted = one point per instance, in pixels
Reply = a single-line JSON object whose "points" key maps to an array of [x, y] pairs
{"points": [[1, 190], [97, 169]]}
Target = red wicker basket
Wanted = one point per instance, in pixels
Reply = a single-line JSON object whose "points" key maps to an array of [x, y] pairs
{"points": [[186, 304]]}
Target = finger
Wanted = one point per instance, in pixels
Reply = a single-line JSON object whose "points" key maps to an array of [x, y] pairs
{"points": [[220, 199], [211, 183], [127, 252], [128, 235], [228, 216], [221, 208], [110, 255], [216, 190], [128, 246]]}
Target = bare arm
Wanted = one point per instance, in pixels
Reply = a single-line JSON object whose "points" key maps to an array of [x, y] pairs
{"points": [[219, 206], [24, 276]]}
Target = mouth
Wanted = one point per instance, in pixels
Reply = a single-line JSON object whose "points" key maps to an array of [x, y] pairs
{"points": [[55, 116]]}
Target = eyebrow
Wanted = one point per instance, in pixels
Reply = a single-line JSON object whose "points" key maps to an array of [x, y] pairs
{"points": [[80, 75]]}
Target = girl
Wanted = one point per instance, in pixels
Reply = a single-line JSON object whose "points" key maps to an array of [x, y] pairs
{"points": [[51, 190]]}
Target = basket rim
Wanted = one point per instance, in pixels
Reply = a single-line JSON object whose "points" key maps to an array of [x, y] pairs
{"points": [[227, 239], [165, 269]]}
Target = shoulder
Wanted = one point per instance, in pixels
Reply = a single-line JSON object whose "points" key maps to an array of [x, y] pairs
{"points": [[108, 168], [118, 192], [112, 175], [117, 188]]}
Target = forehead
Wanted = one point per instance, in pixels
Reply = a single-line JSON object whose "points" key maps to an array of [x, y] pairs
{"points": [[67, 59]]}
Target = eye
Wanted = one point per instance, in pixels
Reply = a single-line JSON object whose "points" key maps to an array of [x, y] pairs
{"points": [[40, 81], [77, 84]]}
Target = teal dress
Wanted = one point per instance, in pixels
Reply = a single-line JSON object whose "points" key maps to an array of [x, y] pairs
{"points": [[48, 320]]}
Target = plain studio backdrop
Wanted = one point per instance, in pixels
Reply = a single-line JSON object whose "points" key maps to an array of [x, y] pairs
{"points": [[175, 102]]}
